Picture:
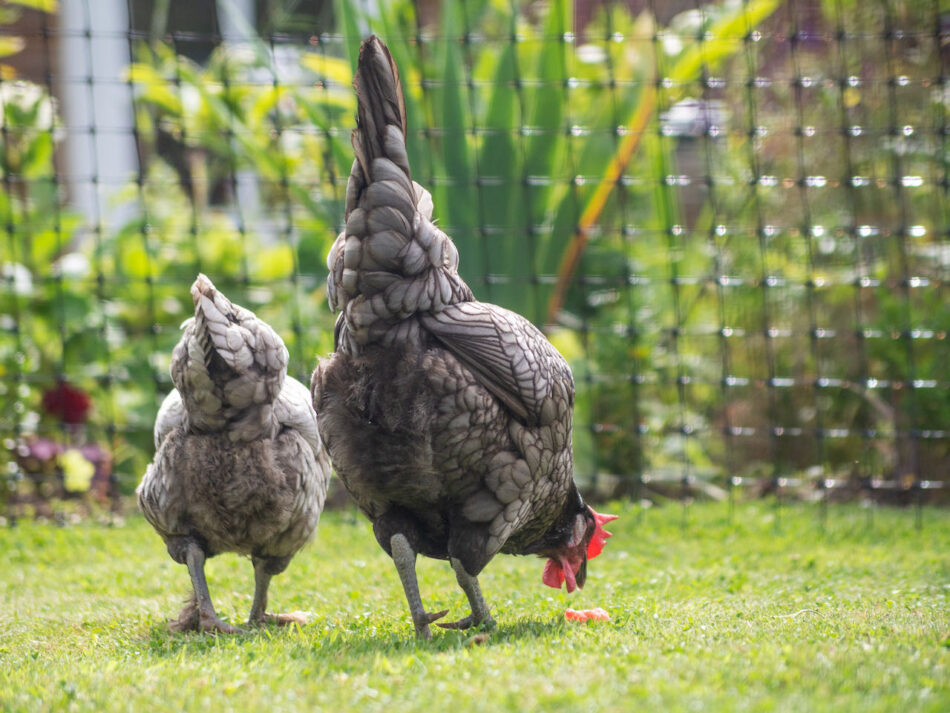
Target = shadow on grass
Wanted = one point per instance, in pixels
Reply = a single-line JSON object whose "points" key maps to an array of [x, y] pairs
{"points": [[163, 642], [323, 641], [404, 641]]}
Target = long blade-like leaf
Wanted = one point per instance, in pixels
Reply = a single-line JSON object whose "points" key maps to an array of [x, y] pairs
{"points": [[455, 199], [347, 13], [502, 195]]}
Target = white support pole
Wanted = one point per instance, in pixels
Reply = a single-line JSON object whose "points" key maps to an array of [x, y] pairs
{"points": [[236, 18], [236, 21], [96, 106]]}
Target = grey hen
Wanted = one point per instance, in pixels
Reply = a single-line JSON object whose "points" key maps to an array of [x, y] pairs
{"points": [[239, 465], [448, 419]]}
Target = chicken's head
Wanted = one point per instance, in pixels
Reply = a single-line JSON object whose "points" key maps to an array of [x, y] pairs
{"points": [[567, 563]]}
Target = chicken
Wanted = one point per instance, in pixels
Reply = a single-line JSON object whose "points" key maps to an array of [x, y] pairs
{"points": [[447, 419], [239, 465]]}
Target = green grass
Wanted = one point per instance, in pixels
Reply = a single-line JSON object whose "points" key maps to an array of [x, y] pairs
{"points": [[756, 613]]}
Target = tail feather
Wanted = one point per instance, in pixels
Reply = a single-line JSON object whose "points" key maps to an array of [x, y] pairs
{"points": [[381, 107], [229, 366], [391, 262]]}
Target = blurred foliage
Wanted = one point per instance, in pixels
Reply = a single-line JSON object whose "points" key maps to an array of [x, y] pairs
{"points": [[786, 317], [103, 307], [736, 221]]}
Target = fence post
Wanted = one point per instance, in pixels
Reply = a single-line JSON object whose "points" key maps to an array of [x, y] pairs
{"points": [[101, 155]]}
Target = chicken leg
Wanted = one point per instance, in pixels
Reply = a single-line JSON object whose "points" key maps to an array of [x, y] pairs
{"points": [[480, 614], [199, 614], [404, 557], [262, 576]]}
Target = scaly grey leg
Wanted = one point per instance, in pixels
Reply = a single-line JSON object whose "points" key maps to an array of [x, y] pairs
{"points": [[261, 583], [207, 618], [405, 560], [259, 613], [480, 614]]}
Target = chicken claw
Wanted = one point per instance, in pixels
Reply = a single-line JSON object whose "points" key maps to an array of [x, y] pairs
{"points": [[209, 625], [435, 616], [468, 622], [263, 571], [190, 619], [285, 619]]}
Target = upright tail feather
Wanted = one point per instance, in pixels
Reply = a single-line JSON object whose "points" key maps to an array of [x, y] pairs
{"points": [[228, 366], [390, 262], [381, 109]]}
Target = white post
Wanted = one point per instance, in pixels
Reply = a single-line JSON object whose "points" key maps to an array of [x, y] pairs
{"points": [[236, 18], [236, 21], [96, 106]]}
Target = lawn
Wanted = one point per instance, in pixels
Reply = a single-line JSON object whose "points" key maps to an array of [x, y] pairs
{"points": [[767, 610]]}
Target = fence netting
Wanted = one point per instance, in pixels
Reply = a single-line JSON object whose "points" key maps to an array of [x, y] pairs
{"points": [[731, 217]]}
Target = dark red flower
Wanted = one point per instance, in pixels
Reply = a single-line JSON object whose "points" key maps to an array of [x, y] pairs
{"points": [[67, 402]]}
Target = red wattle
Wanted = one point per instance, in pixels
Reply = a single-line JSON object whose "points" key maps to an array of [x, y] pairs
{"points": [[569, 579], [558, 572], [553, 574]]}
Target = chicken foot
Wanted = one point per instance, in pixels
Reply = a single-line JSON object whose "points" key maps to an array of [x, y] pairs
{"points": [[258, 615], [480, 614], [200, 614], [404, 557]]}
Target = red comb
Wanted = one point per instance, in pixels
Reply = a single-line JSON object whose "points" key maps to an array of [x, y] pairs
{"points": [[596, 544]]}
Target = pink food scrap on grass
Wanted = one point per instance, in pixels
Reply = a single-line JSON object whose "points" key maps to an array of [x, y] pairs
{"points": [[597, 614]]}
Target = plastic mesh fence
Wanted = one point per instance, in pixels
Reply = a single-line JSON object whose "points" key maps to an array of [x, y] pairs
{"points": [[731, 218]]}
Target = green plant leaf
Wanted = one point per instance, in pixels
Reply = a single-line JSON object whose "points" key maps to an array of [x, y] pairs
{"points": [[155, 88], [10, 45], [723, 39], [348, 14], [9, 14], [136, 262], [40, 243], [502, 193], [265, 158], [264, 104], [49, 6], [544, 105], [455, 199], [273, 263], [333, 68], [341, 152], [37, 160]]}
